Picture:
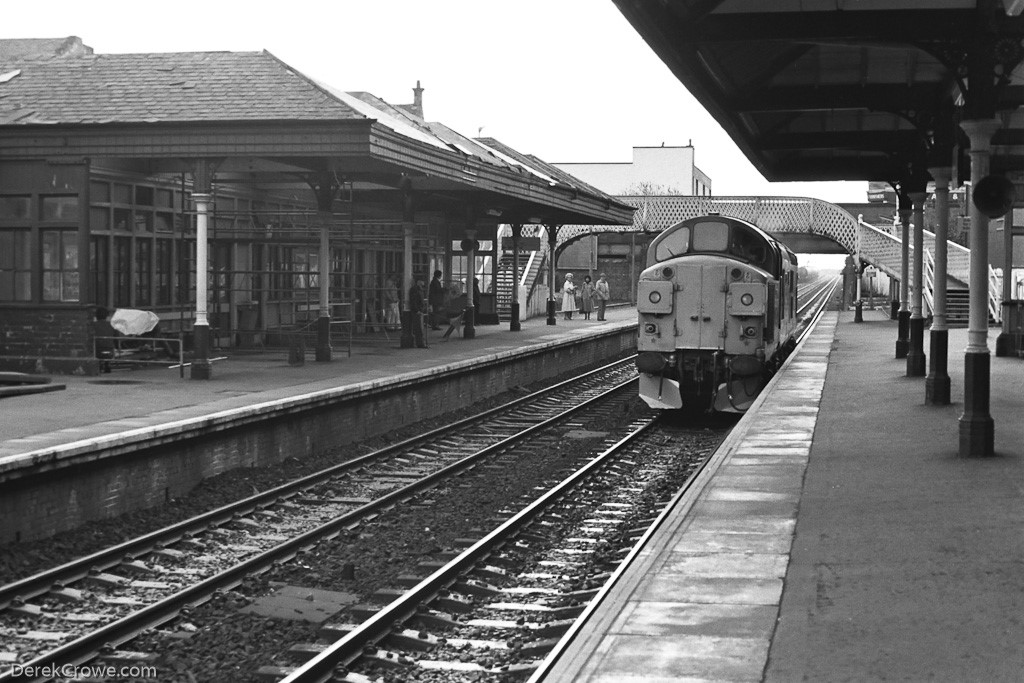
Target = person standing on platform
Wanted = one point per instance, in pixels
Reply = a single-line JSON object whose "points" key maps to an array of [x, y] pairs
{"points": [[435, 297], [602, 293], [586, 297], [391, 315], [476, 296], [417, 306], [568, 297]]}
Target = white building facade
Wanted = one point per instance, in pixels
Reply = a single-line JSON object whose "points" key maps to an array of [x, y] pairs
{"points": [[653, 171]]}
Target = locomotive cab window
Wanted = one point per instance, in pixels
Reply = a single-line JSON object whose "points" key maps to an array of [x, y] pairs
{"points": [[750, 247], [710, 236], [673, 243]]}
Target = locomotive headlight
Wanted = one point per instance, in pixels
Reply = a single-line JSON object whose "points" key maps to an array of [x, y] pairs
{"points": [[654, 297], [650, 328], [667, 273], [749, 330], [747, 299]]}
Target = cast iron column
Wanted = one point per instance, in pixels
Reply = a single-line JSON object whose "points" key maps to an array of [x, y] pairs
{"points": [[977, 430], [915, 355], [323, 322], [469, 326], [903, 319], [200, 368], [517, 232], [552, 238], [936, 384]]}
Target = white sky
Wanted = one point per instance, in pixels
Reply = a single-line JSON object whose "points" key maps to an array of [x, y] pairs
{"points": [[565, 80]]}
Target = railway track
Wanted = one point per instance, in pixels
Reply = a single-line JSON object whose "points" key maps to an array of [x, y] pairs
{"points": [[66, 615], [501, 604]]}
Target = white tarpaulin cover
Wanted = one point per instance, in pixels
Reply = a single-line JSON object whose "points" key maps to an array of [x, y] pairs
{"points": [[133, 322]]}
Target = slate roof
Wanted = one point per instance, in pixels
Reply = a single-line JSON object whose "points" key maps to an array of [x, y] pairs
{"points": [[18, 48], [547, 169], [161, 87]]}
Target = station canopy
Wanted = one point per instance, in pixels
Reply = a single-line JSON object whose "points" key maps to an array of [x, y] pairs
{"points": [[257, 121], [846, 89]]}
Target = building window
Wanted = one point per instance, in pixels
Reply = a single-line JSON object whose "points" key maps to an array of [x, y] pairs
{"points": [[15, 208], [143, 273], [15, 265], [61, 208], [99, 250], [163, 271], [60, 265]]}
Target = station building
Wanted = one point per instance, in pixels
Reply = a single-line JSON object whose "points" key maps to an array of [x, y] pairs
{"points": [[312, 208]]}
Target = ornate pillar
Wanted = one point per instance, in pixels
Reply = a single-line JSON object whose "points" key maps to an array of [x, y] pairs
{"points": [[469, 327], [552, 240], [514, 324], [323, 321], [325, 188], [406, 339], [903, 318], [202, 184], [915, 354], [936, 384], [858, 316], [977, 429], [201, 368]]}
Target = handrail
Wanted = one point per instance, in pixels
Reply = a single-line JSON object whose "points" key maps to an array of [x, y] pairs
{"points": [[928, 295], [995, 295]]}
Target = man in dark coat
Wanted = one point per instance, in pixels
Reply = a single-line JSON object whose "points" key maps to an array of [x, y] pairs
{"points": [[435, 297]]}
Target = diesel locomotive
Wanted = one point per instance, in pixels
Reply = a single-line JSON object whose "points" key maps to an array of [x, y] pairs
{"points": [[717, 306]]}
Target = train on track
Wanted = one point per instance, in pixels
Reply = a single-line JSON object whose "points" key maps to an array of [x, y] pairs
{"points": [[717, 307]]}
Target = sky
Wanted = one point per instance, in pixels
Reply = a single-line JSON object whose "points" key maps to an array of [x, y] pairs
{"points": [[564, 80]]}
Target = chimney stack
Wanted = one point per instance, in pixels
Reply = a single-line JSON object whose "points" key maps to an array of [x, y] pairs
{"points": [[417, 100]]}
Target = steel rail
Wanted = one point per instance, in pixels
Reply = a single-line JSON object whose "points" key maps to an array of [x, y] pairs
{"points": [[679, 505], [41, 583], [126, 628], [344, 651]]}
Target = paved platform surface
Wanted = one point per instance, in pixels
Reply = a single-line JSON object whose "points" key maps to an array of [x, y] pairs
{"points": [[130, 399], [840, 537]]}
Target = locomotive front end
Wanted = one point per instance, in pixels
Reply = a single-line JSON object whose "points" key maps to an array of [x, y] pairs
{"points": [[705, 305]]}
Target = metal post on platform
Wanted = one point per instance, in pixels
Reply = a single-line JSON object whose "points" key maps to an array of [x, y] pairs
{"points": [[977, 429], [858, 316], [514, 324], [323, 321], [915, 353], [936, 384], [552, 239], [903, 318], [201, 368], [469, 324]]}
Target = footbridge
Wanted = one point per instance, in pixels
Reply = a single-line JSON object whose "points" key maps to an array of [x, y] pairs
{"points": [[805, 225]]}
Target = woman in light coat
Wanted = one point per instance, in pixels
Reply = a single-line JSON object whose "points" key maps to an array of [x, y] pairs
{"points": [[568, 297]]}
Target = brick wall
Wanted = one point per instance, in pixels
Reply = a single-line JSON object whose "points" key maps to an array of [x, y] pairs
{"points": [[51, 339], [48, 495]]}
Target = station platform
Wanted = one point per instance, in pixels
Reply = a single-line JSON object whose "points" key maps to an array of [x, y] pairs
{"points": [[838, 536], [146, 396]]}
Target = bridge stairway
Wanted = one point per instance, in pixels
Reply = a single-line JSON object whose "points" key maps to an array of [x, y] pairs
{"points": [[958, 307], [504, 283]]}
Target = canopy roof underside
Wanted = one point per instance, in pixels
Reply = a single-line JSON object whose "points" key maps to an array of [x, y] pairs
{"points": [[845, 89]]}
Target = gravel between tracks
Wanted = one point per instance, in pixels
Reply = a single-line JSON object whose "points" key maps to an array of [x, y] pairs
{"points": [[18, 560]]}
